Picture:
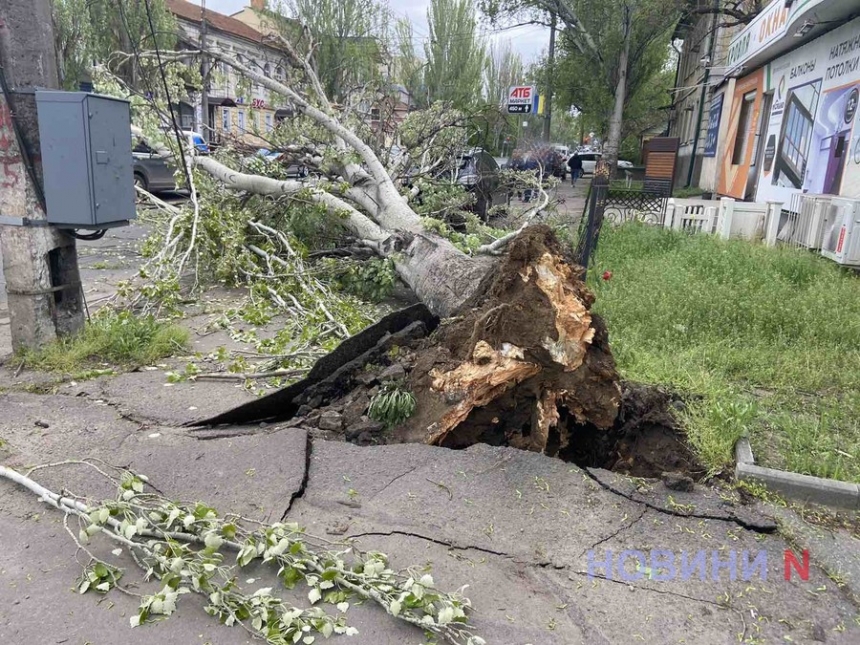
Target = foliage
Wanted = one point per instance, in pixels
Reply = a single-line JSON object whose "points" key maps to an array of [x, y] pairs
{"points": [[768, 337], [185, 547], [115, 337], [346, 37], [87, 31], [690, 191], [371, 279], [392, 405], [609, 43], [648, 83], [455, 53]]}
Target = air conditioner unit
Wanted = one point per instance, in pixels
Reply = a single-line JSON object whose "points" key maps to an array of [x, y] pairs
{"points": [[841, 239], [808, 228]]}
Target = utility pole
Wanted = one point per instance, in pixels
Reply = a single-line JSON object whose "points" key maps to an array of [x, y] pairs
{"points": [[40, 263], [547, 124], [204, 100]]}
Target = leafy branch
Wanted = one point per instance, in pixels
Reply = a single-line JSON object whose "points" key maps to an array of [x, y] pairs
{"points": [[185, 547]]}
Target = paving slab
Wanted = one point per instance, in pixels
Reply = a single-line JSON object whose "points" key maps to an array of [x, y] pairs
{"points": [[537, 519], [158, 401], [515, 526]]}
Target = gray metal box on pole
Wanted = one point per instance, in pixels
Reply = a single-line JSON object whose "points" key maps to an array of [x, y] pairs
{"points": [[86, 159]]}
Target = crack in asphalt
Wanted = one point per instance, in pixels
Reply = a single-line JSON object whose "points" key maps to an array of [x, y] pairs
{"points": [[450, 545], [651, 589], [309, 447], [615, 534], [401, 476], [668, 511]]}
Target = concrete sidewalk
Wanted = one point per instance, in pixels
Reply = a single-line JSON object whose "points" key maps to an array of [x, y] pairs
{"points": [[516, 527]]}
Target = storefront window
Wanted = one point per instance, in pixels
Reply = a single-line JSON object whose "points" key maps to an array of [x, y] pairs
{"points": [[797, 124], [744, 124], [269, 126], [240, 121], [225, 119]]}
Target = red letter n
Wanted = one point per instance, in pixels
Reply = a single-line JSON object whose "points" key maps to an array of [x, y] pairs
{"points": [[791, 561]]}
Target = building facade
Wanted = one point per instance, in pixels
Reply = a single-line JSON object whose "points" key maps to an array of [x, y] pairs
{"points": [[238, 110], [699, 93], [788, 123]]}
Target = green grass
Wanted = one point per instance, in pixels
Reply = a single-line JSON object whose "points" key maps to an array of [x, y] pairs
{"points": [[770, 339], [692, 191], [118, 339]]}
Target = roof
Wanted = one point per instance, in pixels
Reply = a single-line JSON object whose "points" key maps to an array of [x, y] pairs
{"points": [[194, 13]]}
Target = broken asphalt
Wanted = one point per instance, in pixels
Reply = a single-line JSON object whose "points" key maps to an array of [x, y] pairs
{"points": [[515, 526]]}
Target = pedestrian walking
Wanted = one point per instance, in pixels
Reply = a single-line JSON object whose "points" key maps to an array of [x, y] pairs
{"points": [[575, 165], [530, 163]]}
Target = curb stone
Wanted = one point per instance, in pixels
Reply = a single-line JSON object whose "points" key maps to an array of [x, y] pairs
{"points": [[829, 492]]}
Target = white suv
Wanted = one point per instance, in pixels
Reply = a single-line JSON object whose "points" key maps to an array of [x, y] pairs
{"points": [[589, 161]]}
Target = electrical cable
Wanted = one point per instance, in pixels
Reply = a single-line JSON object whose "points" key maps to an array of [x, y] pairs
{"points": [[136, 53], [175, 124], [88, 237]]}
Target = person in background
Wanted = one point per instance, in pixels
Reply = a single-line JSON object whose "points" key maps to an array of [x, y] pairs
{"points": [[530, 163], [575, 165]]}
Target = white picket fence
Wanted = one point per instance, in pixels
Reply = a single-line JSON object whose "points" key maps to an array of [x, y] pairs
{"points": [[726, 218]]}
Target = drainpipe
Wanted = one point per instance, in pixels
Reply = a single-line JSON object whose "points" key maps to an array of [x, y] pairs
{"points": [[675, 88], [711, 48]]}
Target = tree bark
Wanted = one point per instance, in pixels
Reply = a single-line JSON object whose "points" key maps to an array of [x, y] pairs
{"points": [[613, 139], [39, 313]]}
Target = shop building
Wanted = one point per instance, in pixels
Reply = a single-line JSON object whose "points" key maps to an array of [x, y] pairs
{"points": [[788, 119]]}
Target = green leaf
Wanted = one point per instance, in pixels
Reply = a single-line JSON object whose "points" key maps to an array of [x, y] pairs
{"points": [[395, 607]]}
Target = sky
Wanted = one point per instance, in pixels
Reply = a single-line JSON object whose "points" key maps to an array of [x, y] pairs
{"points": [[530, 42]]}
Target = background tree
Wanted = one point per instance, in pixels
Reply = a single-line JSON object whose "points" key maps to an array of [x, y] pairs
{"points": [[455, 53], [503, 68], [650, 77], [89, 32], [610, 37], [347, 40], [408, 64]]}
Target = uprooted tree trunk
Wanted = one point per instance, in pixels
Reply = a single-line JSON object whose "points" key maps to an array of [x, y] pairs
{"points": [[519, 350]]}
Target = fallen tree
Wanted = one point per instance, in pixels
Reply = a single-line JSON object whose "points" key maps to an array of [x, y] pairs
{"points": [[518, 350]]}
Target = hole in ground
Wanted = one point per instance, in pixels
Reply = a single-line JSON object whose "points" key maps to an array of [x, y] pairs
{"points": [[645, 450]]}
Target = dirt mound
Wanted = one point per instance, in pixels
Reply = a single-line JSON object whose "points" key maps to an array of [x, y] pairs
{"points": [[524, 351], [524, 363]]}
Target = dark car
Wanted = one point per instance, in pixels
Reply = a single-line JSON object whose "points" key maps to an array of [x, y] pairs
{"points": [[478, 172], [151, 172], [550, 159], [292, 170]]}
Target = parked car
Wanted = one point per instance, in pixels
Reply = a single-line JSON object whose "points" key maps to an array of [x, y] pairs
{"points": [[478, 172], [589, 161], [293, 170], [562, 150], [151, 171], [195, 140], [553, 162]]}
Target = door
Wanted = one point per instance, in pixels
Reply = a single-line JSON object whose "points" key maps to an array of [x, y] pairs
{"points": [[757, 158], [835, 163]]}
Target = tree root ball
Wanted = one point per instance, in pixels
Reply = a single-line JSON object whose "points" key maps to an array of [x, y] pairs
{"points": [[521, 358]]}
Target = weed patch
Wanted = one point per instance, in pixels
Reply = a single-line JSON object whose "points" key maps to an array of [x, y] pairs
{"points": [[769, 337], [116, 338]]}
